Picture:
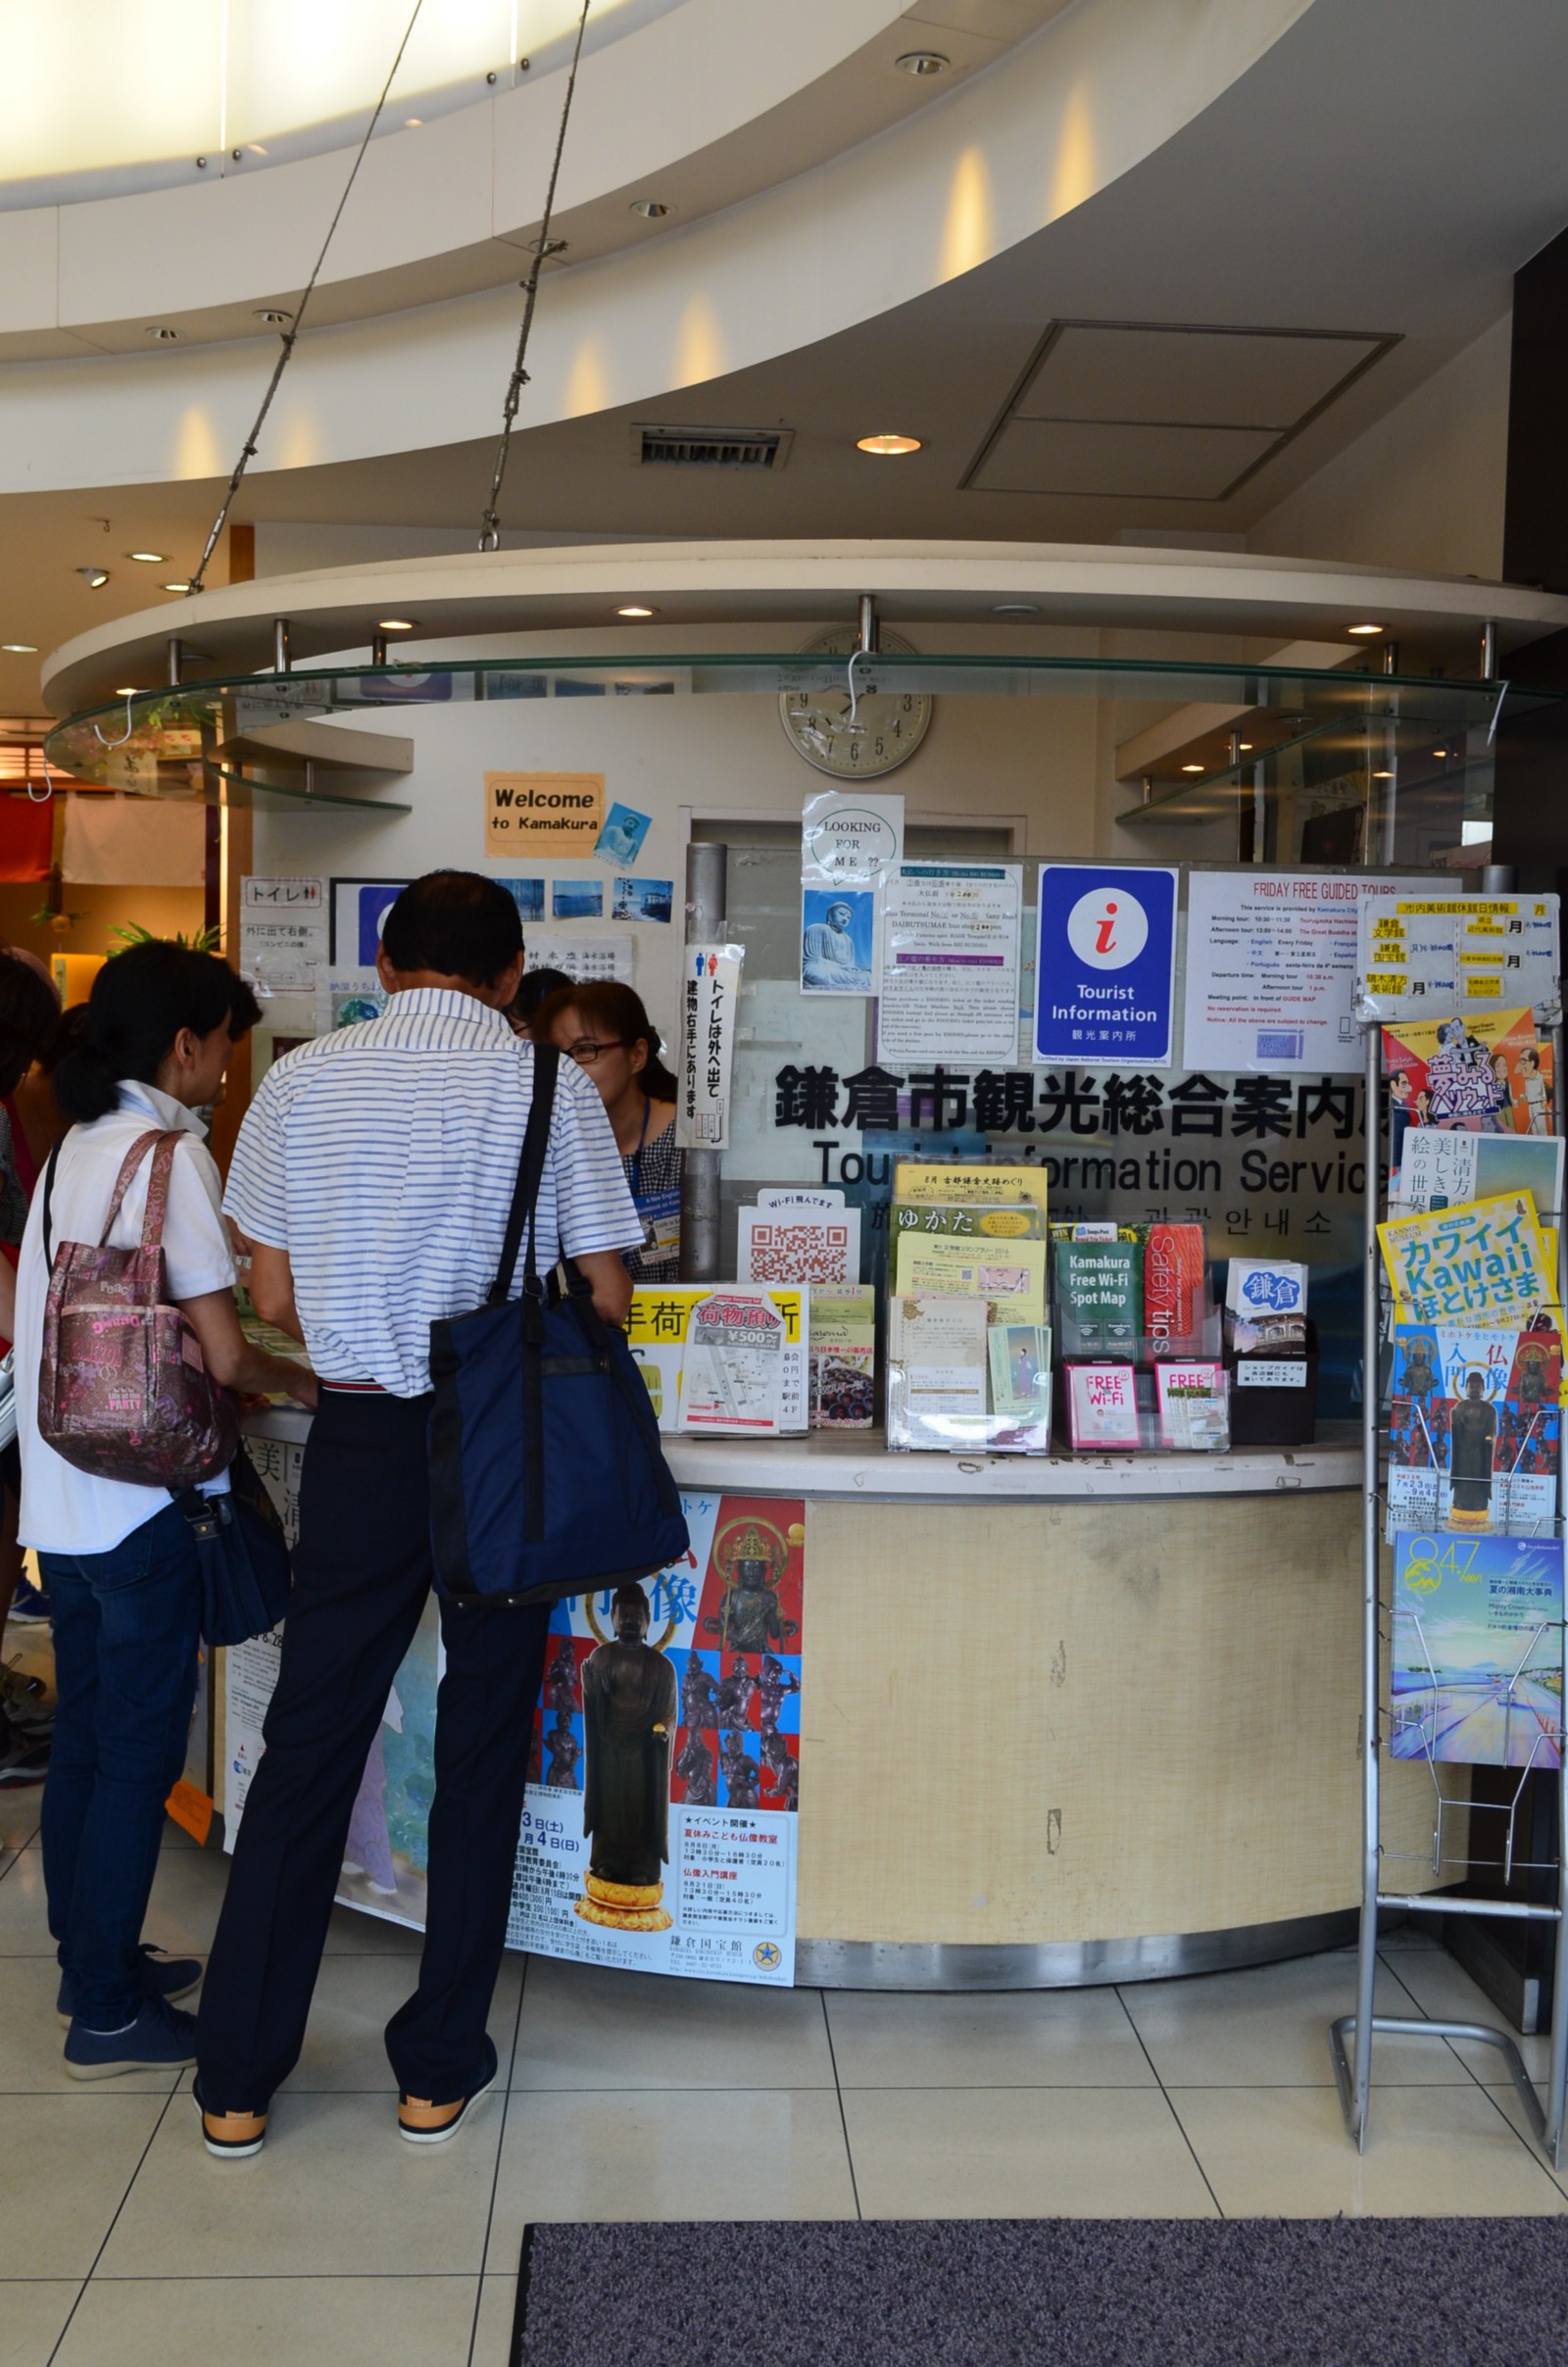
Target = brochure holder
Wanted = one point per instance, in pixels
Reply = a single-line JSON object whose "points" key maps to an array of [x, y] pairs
{"points": [[1350, 2037]]}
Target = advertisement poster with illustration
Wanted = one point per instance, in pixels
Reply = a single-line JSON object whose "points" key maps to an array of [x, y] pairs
{"points": [[1491, 1074], [1474, 1429], [1477, 1654], [659, 1822]]}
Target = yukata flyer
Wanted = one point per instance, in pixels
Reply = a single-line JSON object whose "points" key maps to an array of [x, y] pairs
{"points": [[659, 1830]]}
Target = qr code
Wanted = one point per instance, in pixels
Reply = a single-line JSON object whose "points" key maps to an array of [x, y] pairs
{"points": [[800, 1252]]}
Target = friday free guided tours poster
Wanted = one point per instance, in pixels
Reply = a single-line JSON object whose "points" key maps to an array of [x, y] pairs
{"points": [[659, 1825]]}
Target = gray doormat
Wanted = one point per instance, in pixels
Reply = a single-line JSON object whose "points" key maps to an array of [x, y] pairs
{"points": [[1063, 2292]]}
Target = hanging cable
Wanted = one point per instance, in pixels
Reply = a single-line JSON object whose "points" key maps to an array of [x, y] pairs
{"points": [[291, 334], [490, 522]]}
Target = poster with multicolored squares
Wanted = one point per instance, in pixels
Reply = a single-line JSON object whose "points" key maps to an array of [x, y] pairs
{"points": [[658, 1829]]}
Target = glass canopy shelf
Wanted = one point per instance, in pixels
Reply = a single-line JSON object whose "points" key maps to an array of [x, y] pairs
{"points": [[1332, 765]]}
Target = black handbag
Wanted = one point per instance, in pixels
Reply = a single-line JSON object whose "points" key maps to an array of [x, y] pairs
{"points": [[245, 1564], [546, 1476]]}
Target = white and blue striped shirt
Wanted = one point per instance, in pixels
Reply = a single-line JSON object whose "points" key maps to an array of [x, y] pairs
{"points": [[382, 1158]]}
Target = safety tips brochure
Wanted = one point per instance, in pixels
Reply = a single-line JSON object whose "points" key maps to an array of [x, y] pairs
{"points": [[1476, 1663]]}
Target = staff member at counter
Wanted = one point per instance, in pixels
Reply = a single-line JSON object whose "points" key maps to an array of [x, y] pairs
{"points": [[373, 1173], [605, 1028]]}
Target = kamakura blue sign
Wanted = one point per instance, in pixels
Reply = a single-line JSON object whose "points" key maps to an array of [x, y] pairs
{"points": [[1105, 975]]}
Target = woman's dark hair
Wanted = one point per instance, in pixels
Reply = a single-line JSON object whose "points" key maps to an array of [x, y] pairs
{"points": [[536, 985], [140, 1000], [617, 1014], [28, 1010], [456, 923]]}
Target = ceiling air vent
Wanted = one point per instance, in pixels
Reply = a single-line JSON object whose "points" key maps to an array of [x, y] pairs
{"points": [[711, 447]]}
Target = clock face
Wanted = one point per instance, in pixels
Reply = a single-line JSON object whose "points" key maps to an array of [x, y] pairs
{"points": [[890, 722]]}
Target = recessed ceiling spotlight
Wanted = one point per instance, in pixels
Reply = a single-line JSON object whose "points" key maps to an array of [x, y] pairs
{"points": [[1244, 747], [148, 559], [1192, 768], [413, 122], [1440, 752], [922, 62], [394, 625], [270, 317], [1364, 628], [1016, 608], [127, 690], [635, 612], [887, 447], [181, 586], [20, 649], [649, 208], [1383, 776], [93, 578], [162, 334]]}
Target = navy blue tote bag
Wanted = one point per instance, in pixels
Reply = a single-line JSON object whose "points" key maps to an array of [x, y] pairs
{"points": [[546, 1477]]}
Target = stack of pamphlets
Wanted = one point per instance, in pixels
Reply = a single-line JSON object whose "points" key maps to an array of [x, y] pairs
{"points": [[968, 1339]]}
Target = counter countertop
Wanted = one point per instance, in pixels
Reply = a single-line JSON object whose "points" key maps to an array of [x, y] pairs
{"points": [[856, 1463]]}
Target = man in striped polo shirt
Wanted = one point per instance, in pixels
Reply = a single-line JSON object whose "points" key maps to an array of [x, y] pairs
{"points": [[373, 1173]]}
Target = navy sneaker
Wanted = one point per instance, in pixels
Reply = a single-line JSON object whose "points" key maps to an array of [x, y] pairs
{"points": [[424, 2122], [30, 1605], [160, 2039], [166, 1977]]}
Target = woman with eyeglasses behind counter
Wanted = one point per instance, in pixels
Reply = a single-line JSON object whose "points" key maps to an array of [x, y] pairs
{"points": [[604, 1028]]}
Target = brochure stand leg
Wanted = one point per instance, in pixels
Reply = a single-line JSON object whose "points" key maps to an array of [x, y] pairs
{"points": [[1351, 2037]]}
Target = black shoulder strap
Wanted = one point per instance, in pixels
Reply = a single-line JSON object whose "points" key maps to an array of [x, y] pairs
{"points": [[530, 1174], [48, 1189]]}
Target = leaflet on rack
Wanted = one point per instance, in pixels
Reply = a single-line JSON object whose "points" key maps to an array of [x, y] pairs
{"points": [[1451, 1266], [1474, 1429], [1476, 1660]]}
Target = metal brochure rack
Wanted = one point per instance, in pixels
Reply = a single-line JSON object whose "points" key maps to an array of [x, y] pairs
{"points": [[1351, 2037]]}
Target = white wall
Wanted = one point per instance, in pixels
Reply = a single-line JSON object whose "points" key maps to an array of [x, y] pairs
{"points": [[1421, 489]]}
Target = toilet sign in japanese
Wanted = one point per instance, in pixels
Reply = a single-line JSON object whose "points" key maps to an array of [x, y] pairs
{"points": [[709, 997], [1105, 973]]}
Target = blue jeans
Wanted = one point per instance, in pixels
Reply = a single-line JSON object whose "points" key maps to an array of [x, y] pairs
{"points": [[126, 1629]]}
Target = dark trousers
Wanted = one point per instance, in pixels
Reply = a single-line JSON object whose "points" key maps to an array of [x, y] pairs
{"points": [[126, 1624], [362, 1573]]}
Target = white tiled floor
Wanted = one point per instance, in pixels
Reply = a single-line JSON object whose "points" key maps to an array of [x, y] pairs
{"points": [[120, 2240]]}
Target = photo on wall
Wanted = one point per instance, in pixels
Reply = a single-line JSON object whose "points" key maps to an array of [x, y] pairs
{"points": [[358, 908], [838, 940], [577, 899], [643, 900], [529, 895]]}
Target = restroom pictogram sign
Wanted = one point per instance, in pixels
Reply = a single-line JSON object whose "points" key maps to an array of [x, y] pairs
{"points": [[1105, 975]]}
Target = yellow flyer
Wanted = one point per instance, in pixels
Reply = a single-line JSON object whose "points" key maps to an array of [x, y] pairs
{"points": [[1010, 1276], [658, 1330], [1488, 1257], [928, 1183]]}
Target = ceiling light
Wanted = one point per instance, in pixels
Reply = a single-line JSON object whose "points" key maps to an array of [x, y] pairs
{"points": [[127, 690], [648, 207], [1016, 608], [635, 612], [394, 625], [174, 587], [1440, 752], [887, 447], [20, 649], [922, 62], [93, 578], [162, 334], [1192, 768], [271, 317], [413, 122], [1383, 776], [1244, 746], [1364, 628], [149, 559]]}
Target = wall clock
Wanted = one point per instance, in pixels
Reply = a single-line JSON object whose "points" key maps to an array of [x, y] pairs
{"points": [[890, 721]]}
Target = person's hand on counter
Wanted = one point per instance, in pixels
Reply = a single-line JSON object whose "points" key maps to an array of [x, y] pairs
{"points": [[236, 1363]]}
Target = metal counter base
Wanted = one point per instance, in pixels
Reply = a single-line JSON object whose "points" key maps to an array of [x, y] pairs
{"points": [[908, 1964]]}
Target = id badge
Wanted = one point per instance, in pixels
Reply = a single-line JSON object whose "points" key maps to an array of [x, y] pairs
{"points": [[659, 1212]]}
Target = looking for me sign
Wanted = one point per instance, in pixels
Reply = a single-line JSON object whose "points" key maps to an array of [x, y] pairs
{"points": [[543, 813]]}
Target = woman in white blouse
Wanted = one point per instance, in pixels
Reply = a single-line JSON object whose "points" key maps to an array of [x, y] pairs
{"points": [[120, 1560]]}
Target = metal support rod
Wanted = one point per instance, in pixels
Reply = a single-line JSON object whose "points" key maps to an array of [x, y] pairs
{"points": [[176, 659], [870, 634], [379, 648], [706, 903], [1390, 657], [281, 661], [1371, 1342], [1489, 651]]}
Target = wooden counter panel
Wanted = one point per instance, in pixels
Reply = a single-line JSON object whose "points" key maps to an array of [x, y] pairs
{"points": [[1085, 1721]]}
